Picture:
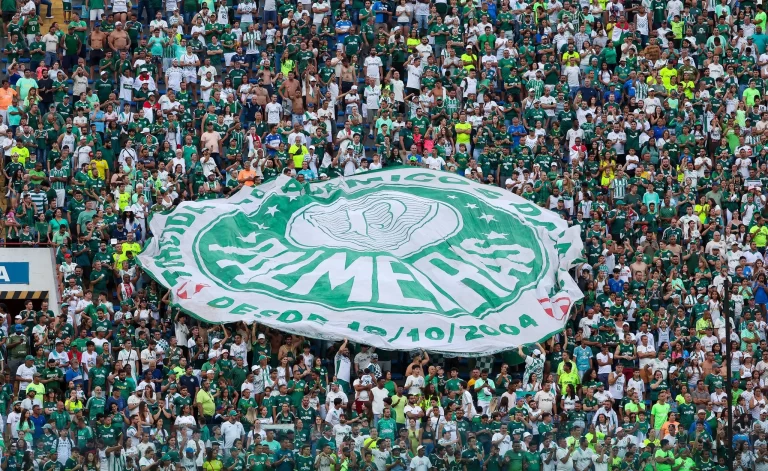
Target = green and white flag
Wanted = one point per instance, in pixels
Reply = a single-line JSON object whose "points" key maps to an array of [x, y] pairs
{"points": [[397, 259]]}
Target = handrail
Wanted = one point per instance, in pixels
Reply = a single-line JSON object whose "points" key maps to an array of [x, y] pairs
{"points": [[5, 243]]}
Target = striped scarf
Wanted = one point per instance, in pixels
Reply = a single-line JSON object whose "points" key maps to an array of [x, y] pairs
{"points": [[641, 90]]}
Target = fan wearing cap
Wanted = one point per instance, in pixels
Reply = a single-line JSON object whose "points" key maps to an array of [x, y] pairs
{"points": [[231, 430], [16, 345], [534, 364], [422, 463]]}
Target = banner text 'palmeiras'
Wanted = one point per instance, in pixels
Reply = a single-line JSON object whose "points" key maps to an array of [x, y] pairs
{"points": [[398, 259]]}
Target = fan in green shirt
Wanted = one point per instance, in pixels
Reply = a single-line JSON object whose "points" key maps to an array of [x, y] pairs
{"points": [[259, 459], [73, 462], [515, 458]]}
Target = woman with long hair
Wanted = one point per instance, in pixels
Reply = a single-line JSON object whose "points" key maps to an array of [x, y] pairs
{"points": [[92, 462], [569, 399], [414, 435], [145, 418], [321, 370], [25, 427], [28, 463], [212, 462], [316, 432]]}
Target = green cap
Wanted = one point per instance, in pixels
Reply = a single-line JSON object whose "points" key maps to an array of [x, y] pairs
{"points": [[29, 358], [166, 457], [232, 413]]}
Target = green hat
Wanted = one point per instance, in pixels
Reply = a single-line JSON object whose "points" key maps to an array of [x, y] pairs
{"points": [[232, 413], [166, 457], [29, 358], [619, 202], [263, 357]]}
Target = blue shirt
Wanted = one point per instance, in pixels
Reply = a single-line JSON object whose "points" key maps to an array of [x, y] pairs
{"points": [[342, 24], [308, 174], [39, 423], [76, 376], [629, 87], [513, 129], [157, 373], [583, 355], [616, 95], [379, 6], [617, 286], [121, 403], [98, 115], [270, 139]]}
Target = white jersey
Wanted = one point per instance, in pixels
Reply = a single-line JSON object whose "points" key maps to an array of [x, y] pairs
{"points": [[617, 389], [126, 88]]}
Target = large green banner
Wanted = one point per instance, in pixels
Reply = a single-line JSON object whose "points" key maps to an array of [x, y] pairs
{"points": [[398, 259]]}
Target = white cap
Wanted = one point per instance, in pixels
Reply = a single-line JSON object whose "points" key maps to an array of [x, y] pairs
{"points": [[536, 352], [210, 372], [261, 336], [213, 354], [509, 182]]}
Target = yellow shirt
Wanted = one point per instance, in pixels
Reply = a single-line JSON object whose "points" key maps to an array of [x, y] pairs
{"points": [[207, 401], [286, 66], [214, 465], [131, 247], [22, 152], [102, 166], [123, 201], [297, 153], [688, 88], [702, 325], [469, 61], [571, 55], [38, 388], [760, 235], [666, 75], [568, 378], [463, 138]]}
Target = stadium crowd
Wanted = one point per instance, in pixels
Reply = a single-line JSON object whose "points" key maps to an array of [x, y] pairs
{"points": [[642, 122]]}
